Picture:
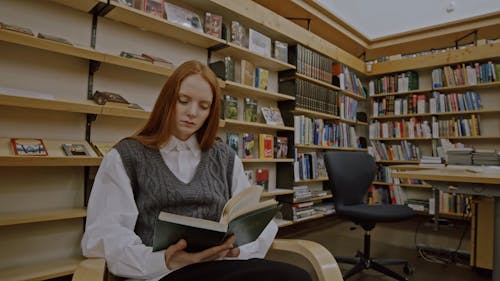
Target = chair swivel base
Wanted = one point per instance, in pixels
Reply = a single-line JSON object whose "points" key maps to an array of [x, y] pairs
{"points": [[361, 263]]}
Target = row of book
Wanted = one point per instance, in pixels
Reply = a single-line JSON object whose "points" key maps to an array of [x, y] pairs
{"points": [[36, 147], [347, 79], [247, 146], [457, 127], [453, 102], [411, 128], [309, 165], [310, 63], [258, 176], [302, 211], [465, 74], [395, 83], [310, 131], [231, 107], [390, 105], [391, 194], [403, 151]]}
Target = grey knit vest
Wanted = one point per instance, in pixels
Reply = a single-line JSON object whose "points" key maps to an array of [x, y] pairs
{"points": [[157, 189]]}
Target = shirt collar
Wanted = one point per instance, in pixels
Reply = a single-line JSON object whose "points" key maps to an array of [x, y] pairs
{"points": [[175, 143]]}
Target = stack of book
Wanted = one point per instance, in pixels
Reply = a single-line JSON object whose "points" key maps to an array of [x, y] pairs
{"points": [[459, 156], [486, 157], [431, 161]]}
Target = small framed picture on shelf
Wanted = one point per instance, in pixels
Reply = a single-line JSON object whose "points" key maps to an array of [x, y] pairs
{"points": [[28, 147], [75, 149]]}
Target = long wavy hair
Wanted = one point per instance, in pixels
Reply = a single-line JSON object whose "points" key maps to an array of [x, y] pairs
{"points": [[159, 126]]}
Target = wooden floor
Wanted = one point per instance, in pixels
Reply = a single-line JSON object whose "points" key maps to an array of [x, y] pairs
{"points": [[396, 240]]}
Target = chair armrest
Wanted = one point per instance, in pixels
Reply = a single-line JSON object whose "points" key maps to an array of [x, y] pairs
{"points": [[93, 269], [323, 262]]}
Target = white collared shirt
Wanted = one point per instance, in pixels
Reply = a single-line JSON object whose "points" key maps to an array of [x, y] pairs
{"points": [[112, 214]]}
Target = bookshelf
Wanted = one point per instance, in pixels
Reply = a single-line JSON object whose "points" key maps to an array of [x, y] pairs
{"points": [[423, 65]]}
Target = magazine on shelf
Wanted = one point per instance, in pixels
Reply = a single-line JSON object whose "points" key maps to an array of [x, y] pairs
{"points": [[75, 149], [259, 43], [272, 116], [182, 16], [28, 147], [213, 25]]}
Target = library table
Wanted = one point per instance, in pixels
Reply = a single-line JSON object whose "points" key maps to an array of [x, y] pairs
{"points": [[481, 181]]}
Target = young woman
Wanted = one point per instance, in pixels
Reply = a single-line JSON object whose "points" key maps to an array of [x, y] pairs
{"points": [[174, 164]]}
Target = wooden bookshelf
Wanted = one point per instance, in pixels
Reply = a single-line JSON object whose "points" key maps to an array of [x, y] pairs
{"points": [[244, 124], [41, 216], [286, 223], [250, 92], [41, 271], [311, 146], [402, 116], [400, 139], [148, 22], [465, 138], [468, 87], [276, 192], [311, 180], [458, 113], [50, 104], [82, 5], [119, 111], [329, 86], [484, 52], [314, 114], [415, 185], [398, 161]]}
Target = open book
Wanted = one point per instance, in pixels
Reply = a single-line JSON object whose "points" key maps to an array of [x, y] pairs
{"points": [[243, 215]]}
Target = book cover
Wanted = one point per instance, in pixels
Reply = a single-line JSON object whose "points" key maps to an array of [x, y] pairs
{"points": [[239, 34], [16, 28], [259, 43], [182, 16], [250, 175], [230, 107], [248, 145], [243, 216], [154, 7], [261, 78], [250, 110], [247, 73], [266, 145], [28, 147], [262, 178], [281, 147], [272, 116], [75, 149], [280, 51], [233, 140], [213, 24]]}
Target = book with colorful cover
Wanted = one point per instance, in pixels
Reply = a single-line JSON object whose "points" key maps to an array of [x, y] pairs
{"points": [[247, 73], [250, 112], [261, 78], [266, 146], [272, 116], [233, 140], [281, 147], [248, 145], [213, 24], [262, 178]]}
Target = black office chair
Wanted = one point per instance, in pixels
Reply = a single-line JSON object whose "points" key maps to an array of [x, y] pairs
{"points": [[350, 175]]}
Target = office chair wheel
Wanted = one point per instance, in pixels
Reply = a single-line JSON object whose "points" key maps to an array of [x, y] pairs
{"points": [[408, 269]]}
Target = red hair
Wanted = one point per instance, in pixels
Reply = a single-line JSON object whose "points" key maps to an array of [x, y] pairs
{"points": [[158, 129]]}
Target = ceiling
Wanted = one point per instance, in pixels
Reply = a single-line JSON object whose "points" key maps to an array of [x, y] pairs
{"points": [[356, 28]]}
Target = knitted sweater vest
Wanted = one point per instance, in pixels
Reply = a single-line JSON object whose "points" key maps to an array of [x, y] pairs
{"points": [[157, 189]]}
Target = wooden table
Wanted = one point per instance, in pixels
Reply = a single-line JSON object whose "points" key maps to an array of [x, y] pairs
{"points": [[461, 179]]}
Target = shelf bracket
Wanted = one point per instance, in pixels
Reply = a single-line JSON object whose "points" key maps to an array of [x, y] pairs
{"points": [[93, 67]]}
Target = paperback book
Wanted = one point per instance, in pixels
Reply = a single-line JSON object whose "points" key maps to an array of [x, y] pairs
{"points": [[266, 145], [243, 216], [28, 147], [250, 110], [262, 178], [233, 140], [261, 78], [230, 107], [272, 116], [248, 145], [75, 149], [213, 25]]}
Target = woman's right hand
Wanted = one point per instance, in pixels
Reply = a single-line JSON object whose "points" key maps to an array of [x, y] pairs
{"points": [[176, 257]]}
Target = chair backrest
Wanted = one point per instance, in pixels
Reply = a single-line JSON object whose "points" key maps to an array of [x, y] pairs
{"points": [[350, 175]]}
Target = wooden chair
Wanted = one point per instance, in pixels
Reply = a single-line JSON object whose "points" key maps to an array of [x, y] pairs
{"points": [[311, 256]]}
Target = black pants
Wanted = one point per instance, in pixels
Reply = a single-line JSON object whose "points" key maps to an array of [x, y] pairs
{"points": [[239, 270]]}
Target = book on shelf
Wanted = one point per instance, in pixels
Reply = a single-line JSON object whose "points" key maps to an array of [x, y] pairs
{"points": [[281, 51], [224, 69], [272, 116], [53, 38], [213, 24], [28, 147], [16, 28], [281, 147], [248, 140], [153, 7], [261, 78], [266, 146], [244, 216], [75, 149], [239, 34], [259, 43], [158, 60], [233, 140], [247, 73], [182, 16], [139, 57], [262, 178], [230, 107], [250, 112], [250, 176], [129, 3]]}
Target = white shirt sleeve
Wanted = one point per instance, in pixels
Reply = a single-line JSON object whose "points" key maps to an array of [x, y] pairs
{"points": [[259, 247], [111, 218]]}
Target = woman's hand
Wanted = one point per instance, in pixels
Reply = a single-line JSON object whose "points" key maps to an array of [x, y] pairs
{"points": [[176, 257]]}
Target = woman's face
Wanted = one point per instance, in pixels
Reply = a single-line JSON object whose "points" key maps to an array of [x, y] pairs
{"points": [[192, 107]]}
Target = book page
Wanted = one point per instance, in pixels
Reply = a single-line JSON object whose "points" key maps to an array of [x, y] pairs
{"points": [[245, 201]]}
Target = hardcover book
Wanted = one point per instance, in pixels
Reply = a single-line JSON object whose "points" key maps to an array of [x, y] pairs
{"points": [[247, 73], [182, 16], [281, 51], [16, 28], [75, 149], [281, 147], [230, 107], [239, 34], [261, 78], [154, 7], [248, 145], [243, 216], [28, 147], [213, 25], [250, 110], [233, 140], [272, 116], [266, 146], [259, 43], [262, 178]]}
